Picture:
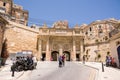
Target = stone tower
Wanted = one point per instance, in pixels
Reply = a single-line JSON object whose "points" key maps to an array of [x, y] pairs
{"points": [[6, 7], [13, 12]]}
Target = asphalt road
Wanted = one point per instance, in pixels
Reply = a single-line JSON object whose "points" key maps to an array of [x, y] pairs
{"points": [[71, 71]]}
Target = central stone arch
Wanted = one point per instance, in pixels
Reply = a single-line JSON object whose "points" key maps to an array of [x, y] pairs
{"points": [[67, 55], [54, 55]]}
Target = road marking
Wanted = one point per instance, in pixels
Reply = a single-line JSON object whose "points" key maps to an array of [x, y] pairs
{"points": [[92, 75]]}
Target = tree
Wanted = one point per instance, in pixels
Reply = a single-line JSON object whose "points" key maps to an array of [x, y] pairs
{"points": [[4, 52]]}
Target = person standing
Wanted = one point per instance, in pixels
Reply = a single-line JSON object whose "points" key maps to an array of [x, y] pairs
{"points": [[34, 61], [63, 59], [83, 59]]}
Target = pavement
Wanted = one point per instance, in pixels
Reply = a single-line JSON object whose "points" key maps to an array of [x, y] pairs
{"points": [[109, 73], [6, 74]]}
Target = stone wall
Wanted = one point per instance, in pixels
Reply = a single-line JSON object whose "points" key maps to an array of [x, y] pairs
{"points": [[1, 37], [21, 38], [93, 51]]}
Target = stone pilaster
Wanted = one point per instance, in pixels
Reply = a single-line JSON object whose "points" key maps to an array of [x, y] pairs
{"points": [[81, 49], [74, 51], [60, 51], [47, 51], [39, 50]]}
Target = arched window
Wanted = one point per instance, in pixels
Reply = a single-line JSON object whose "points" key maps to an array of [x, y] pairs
{"points": [[99, 26], [4, 4], [90, 29]]}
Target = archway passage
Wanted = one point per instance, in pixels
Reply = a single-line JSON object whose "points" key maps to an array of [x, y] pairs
{"points": [[54, 55], [67, 55], [118, 50]]}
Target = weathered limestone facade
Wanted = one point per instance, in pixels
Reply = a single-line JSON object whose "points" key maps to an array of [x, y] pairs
{"points": [[13, 12], [6, 6], [19, 15], [115, 44], [3, 23], [21, 38], [48, 43], [59, 40], [96, 40]]}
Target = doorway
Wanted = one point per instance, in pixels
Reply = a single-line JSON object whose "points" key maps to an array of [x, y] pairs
{"points": [[43, 56], [54, 55], [67, 55], [77, 57]]}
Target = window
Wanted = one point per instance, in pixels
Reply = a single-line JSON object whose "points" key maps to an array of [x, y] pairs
{"points": [[90, 29], [99, 26], [4, 4], [100, 31], [86, 33]]}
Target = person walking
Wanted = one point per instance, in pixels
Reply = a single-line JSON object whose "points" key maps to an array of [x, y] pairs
{"points": [[60, 61]]}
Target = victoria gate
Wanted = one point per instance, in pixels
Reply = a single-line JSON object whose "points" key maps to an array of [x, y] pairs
{"points": [[60, 40]]}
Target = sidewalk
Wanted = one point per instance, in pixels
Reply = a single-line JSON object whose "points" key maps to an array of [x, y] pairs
{"points": [[5, 73], [109, 73]]}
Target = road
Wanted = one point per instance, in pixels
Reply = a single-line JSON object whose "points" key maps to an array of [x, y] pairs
{"points": [[71, 71]]}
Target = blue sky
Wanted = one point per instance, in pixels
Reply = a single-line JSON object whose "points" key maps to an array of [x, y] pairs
{"points": [[74, 11]]}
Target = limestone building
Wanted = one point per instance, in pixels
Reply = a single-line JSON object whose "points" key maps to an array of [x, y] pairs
{"points": [[96, 40], [48, 43], [60, 39], [13, 12], [92, 40], [115, 43]]}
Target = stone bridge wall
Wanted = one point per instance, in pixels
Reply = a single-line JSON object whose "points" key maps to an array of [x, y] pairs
{"points": [[21, 38]]}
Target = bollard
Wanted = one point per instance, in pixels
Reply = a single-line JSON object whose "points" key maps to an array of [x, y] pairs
{"points": [[102, 67], [84, 59]]}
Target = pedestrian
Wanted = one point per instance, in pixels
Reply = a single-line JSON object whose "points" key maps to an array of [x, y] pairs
{"points": [[63, 59], [83, 59], [107, 61], [51, 59], [34, 61], [113, 62], [60, 61]]}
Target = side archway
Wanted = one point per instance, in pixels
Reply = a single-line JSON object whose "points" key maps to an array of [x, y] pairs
{"points": [[67, 55], [54, 55]]}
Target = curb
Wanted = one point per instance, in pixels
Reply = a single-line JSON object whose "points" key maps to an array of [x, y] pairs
{"points": [[23, 75], [97, 73], [91, 66]]}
